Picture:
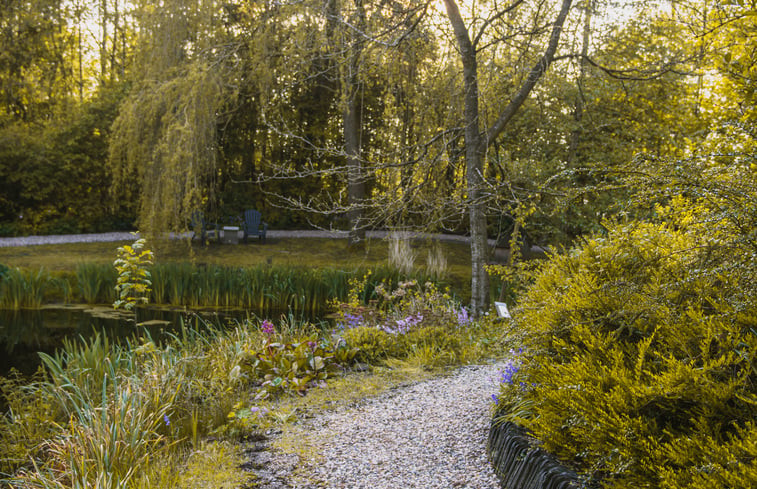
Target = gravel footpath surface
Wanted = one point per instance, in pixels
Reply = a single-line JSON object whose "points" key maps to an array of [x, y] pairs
{"points": [[428, 435], [127, 236]]}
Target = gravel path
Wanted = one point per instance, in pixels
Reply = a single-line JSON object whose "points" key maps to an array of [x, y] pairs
{"points": [[127, 236], [428, 435]]}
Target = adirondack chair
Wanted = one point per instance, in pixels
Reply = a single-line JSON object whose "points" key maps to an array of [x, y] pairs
{"points": [[253, 226], [197, 223]]}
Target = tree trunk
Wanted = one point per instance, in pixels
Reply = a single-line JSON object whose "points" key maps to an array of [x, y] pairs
{"points": [[474, 163], [103, 41], [578, 109], [355, 183], [476, 141], [352, 124]]}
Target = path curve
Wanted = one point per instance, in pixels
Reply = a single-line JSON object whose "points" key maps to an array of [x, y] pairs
{"points": [[428, 435]]}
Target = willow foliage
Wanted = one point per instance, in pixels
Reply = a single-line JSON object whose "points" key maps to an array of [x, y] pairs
{"points": [[165, 138]]}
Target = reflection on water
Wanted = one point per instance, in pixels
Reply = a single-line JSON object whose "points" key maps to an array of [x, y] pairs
{"points": [[24, 333]]}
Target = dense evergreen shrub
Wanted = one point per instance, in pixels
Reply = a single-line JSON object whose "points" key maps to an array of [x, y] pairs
{"points": [[639, 368]]}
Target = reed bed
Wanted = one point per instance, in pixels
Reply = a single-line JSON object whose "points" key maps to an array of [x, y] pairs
{"points": [[96, 282], [21, 289], [262, 289]]}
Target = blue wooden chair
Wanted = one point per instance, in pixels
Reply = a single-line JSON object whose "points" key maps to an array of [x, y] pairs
{"points": [[253, 226], [198, 224]]}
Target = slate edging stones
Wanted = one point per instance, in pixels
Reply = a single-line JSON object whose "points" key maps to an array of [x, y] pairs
{"points": [[520, 464]]}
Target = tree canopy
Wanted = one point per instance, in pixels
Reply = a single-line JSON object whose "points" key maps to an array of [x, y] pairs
{"points": [[503, 120]]}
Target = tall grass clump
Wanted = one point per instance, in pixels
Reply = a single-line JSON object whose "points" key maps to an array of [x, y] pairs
{"points": [[25, 288], [109, 410], [401, 254], [436, 261], [96, 283]]}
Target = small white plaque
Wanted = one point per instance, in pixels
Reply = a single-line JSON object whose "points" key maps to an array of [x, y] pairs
{"points": [[502, 310]]}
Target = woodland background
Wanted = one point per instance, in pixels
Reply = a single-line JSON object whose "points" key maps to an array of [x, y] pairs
{"points": [[531, 118]]}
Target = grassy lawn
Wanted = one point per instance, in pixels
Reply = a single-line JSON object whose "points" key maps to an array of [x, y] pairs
{"points": [[310, 252]]}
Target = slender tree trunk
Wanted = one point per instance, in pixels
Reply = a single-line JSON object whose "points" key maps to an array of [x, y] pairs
{"points": [[103, 40], [114, 41], [474, 163], [578, 109], [477, 141], [80, 53], [700, 62], [352, 124], [352, 146]]}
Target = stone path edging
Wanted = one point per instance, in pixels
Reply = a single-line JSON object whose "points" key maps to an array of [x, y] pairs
{"points": [[522, 465]]}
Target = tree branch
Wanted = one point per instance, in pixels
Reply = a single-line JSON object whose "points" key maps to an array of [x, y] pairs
{"points": [[533, 76]]}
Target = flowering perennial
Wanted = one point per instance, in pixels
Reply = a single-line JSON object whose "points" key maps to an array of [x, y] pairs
{"points": [[402, 326], [267, 327]]}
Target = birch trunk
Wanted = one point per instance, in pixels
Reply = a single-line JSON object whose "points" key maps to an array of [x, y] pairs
{"points": [[477, 141], [474, 161]]}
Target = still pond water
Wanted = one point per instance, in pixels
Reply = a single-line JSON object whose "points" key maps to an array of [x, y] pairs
{"points": [[24, 333]]}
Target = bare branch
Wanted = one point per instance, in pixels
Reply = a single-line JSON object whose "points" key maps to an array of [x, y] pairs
{"points": [[534, 75]]}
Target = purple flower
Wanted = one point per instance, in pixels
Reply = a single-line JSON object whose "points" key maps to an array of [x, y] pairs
{"points": [[353, 320], [166, 420], [495, 399], [512, 366], [267, 327], [402, 326], [462, 317]]}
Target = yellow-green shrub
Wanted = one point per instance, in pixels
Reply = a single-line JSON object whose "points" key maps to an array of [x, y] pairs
{"points": [[639, 367], [373, 344], [438, 339]]}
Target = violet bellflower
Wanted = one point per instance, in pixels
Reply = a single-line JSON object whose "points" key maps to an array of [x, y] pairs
{"points": [[512, 366]]}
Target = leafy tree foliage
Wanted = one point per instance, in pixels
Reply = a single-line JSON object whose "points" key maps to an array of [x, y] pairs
{"points": [[52, 176], [34, 63]]}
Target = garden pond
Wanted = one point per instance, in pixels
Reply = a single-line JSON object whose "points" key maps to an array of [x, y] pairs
{"points": [[25, 332]]}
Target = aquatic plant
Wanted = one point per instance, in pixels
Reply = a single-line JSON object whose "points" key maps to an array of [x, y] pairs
{"points": [[25, 288]]}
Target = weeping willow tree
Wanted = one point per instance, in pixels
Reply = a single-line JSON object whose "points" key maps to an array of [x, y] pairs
{"points": [[164, 144]]}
